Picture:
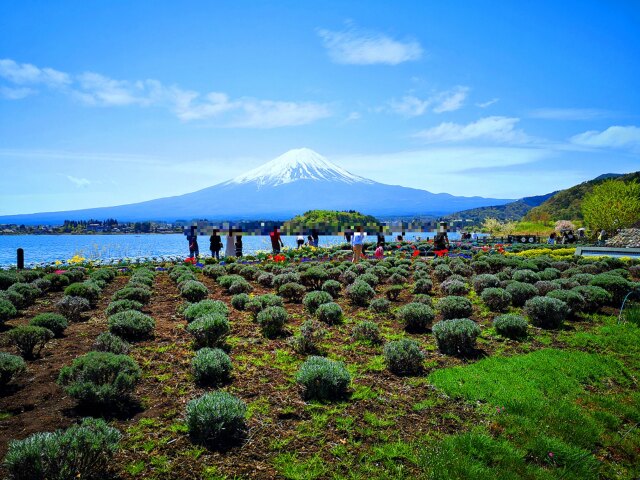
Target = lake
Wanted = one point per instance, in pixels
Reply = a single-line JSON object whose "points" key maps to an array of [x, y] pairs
{"points": [[40, 249]]}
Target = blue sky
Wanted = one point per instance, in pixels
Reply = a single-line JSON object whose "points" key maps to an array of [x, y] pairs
{"points": [[105, 103]]}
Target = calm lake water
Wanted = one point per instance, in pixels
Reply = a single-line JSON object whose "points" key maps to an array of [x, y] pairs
{"points": [[40, 249]]}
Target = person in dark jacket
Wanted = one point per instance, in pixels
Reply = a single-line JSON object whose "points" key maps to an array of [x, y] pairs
{"points": [[239, 244], [215, 244], [192, 238]]}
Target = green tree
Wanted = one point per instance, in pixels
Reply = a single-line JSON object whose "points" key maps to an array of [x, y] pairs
{"points": [[611, 205]]}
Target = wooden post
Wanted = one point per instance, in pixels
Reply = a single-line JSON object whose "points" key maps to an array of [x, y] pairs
{"points": [[20, 259]]}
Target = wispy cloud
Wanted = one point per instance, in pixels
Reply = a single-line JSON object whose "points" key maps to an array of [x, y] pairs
{"points": [[488, 103], [446, 101], [79, 182], [613, 137], [358, 47], [569, 113], [9, 93], [97, 90], [493, 129]]}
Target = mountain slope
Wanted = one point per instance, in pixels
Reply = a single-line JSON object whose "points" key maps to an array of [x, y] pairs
{"points": [[298, 181], [566, 204], [507, 212]]}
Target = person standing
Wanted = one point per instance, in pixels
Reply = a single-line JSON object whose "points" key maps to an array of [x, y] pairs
{"points": [[215, 244], [357, 241], [230, 250], [316, 237], [239, 244], [381, 240], [192, 238], [276, 241]]}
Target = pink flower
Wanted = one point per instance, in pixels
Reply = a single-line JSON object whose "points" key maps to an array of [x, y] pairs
{"points": [[550, 454]]}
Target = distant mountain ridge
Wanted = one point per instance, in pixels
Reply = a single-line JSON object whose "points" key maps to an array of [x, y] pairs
{"points": [[295, 182], [566, 204], [512, 211]]}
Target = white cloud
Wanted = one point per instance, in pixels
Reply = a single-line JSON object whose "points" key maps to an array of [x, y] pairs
{"points": [[25, 73], [569, 113], [353, 116], [79, 182], [451, 100], [356, 47], [495, 129], [488, 103], [613, 137], [15, 93], [94, 89], [446, 101]]}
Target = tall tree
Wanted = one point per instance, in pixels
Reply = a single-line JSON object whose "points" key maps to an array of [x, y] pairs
{"points": [[611, 205]]}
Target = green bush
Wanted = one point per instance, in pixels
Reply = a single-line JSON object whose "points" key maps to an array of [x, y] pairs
{"points": [[100, 379], [28, 291], [544, 287], [417, 317], [108, 342], [214, 271], [313, 300], [397, 279], [82, 451], [393, 292], [521, 292], [323, 379], [209, 330], [85, 290], [205, 307], [118, 306], [423, 286], [484, 280], [7, 279], [239, 301], [497, 299], [7, 311], [284, 278], [360, 293], [455, 287], [294, 292], [53, 321], [272, 320], [367, 331], [511, 326], [10, 367], [104, 274], [240, 286], [137, 294], [526, 276], [330, 313], [29, 339], [454, 307], [14, 298], [131, 325], [314, 277], [442, 272], [75, 274], [403, 357], [42, 284], [216, 418], [266, 279], [380, 305], [332, 287], [211, 366], [73, 307], [309, 338], [616, 285], [456, 336], [573, 299], [594, 297], [194, 291], [369, 278], [546, 312]]}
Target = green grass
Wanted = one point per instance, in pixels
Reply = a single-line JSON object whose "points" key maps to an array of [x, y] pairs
{"points": [[544, 406]]}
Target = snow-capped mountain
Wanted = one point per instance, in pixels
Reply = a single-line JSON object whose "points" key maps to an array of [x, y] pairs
{"points": [[293, 183], [294, 165]]}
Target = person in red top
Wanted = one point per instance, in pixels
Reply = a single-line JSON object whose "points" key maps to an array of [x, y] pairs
{"points": [[276, 241]]}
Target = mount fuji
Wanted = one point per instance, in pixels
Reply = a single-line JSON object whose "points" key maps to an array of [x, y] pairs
{"points": [[292, 183]]}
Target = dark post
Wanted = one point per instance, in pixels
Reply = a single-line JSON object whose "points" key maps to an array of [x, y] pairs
{"points": [[20, 259]]}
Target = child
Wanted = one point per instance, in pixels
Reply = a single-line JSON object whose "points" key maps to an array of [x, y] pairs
{"points": [[379, 254]]}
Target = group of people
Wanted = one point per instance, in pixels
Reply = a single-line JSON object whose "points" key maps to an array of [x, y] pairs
{"points": [[233, 249]]}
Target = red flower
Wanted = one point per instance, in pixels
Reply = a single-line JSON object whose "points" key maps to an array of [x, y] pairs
{"points": [[415, 253]]}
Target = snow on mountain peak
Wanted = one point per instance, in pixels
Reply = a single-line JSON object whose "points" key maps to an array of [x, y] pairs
{"points": [[297, 164]]}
